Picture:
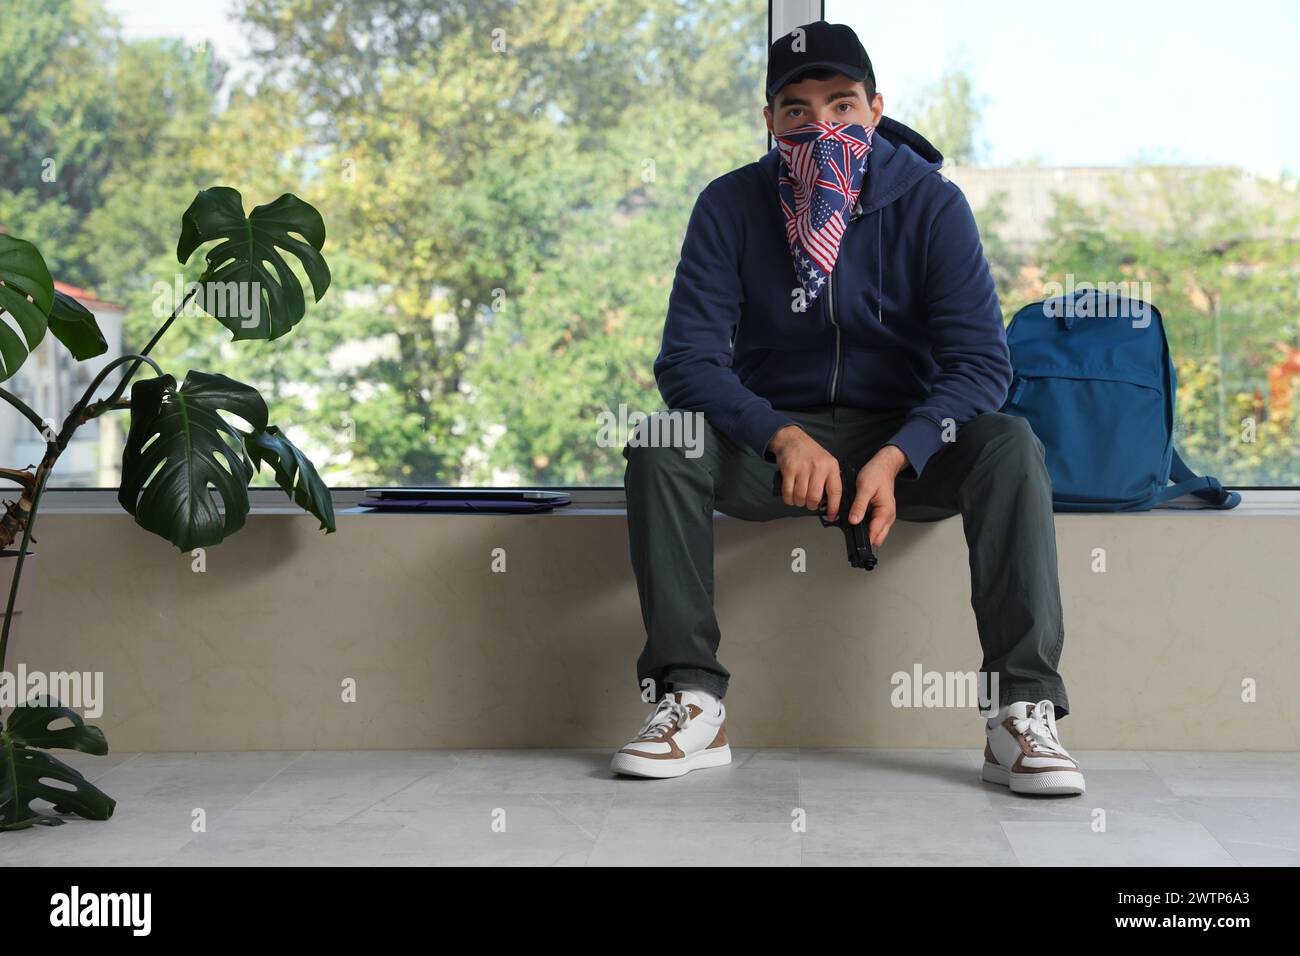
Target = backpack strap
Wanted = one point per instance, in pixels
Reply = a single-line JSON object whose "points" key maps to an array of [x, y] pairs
{"points": [[1187, 482]]}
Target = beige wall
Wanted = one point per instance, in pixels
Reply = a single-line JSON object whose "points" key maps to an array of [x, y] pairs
{"points": [[445, 653]]}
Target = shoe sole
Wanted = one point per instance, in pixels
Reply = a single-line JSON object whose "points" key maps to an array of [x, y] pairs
{"points": [[633, 766], [1055, 782]]}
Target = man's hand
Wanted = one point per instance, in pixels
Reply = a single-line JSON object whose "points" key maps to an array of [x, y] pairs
{"points": [[807, 471], [875, 489]]}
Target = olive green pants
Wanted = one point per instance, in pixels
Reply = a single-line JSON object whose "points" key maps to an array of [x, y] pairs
{"points": [[993, 475]]}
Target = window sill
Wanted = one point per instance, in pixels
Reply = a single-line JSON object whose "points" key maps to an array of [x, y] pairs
{"points": [[587, 502], [273, 501]]}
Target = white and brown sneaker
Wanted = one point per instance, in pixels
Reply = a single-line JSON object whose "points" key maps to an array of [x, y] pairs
{"points": [[678, 738], [1024, 752]]}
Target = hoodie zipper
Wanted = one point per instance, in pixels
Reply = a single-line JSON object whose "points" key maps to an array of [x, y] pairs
{"points": [[830, 306]]}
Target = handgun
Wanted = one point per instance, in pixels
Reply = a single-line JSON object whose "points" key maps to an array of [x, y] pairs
{"points": [[856, 540]]}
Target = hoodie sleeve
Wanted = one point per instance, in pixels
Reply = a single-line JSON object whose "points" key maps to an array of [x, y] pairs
{"points": [[968, 339], [693, 369]]}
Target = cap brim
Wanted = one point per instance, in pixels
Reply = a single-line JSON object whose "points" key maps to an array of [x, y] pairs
{"points": [[853, 74]]}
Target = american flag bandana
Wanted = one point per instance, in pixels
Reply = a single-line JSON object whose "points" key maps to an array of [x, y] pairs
{"points": [[823, 166]]}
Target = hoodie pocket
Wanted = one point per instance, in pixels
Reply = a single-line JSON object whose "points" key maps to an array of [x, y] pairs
{"points": [[882, 378], [788, 378]]}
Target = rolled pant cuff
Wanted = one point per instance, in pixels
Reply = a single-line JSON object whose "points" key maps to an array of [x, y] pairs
{"points": [[1010, 693], [705, 680]]}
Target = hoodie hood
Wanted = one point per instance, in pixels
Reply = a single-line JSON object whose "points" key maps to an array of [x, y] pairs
{"points": [[900, 158]]}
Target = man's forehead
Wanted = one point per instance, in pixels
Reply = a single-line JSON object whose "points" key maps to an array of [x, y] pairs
{"points": [[828, 91]]}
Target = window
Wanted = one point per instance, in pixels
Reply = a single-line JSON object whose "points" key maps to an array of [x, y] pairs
{"points": [[505, 189], [504, 186], [1147, 147]]}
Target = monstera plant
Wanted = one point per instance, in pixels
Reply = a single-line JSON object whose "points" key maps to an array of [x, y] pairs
{"points": [[187, 447]]}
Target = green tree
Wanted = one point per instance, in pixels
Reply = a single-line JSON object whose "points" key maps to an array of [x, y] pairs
{"points": [[487, 163], [55, 125], [948, 114]]}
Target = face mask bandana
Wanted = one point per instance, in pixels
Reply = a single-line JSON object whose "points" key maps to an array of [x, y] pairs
{"points": [[823, 166]]}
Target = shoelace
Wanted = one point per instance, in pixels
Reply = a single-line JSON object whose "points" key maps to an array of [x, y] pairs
{"points": [[665, 713], [1040, 728]]}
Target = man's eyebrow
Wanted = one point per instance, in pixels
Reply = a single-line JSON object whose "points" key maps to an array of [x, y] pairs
{"points": [[797, 101]]}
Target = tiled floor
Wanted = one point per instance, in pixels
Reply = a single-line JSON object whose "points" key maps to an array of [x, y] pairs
{"points": [[869, 807]]}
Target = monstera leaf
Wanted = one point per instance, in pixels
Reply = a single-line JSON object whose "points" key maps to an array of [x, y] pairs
{"points": [[179, 447], [74, 325], [294, 472], [23, 274], [248, 286], [25, 767]]}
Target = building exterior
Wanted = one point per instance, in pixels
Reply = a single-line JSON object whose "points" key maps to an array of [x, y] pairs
{"points": [[1028, 193], [50, 381]]}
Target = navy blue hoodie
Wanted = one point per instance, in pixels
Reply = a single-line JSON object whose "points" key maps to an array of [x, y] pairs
{"points": [[909, 320]]}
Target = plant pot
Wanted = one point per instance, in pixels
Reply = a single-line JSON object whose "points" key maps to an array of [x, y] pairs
{"points": [[8, 564]]}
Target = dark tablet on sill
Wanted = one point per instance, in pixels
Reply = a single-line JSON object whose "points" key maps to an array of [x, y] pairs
{"points": [[461, 494], [464, 503]]}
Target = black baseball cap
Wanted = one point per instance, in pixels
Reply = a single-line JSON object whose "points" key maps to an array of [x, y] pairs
{"points": [[832, 46]]}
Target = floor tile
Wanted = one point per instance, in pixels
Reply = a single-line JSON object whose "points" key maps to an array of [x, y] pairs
{"points": [[814, 807], [1127, 841]]}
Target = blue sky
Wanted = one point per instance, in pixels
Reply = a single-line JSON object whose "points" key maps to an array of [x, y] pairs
{"points": [[212, 21], [1101, 83]]}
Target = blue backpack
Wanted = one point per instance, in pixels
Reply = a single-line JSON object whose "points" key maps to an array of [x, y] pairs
{"points": [[1094, 379]]}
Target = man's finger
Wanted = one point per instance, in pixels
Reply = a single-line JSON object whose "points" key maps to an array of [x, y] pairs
{"points": [[882, 519], [834, 492], [800, 488], [861, 501], [816, 488]]}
